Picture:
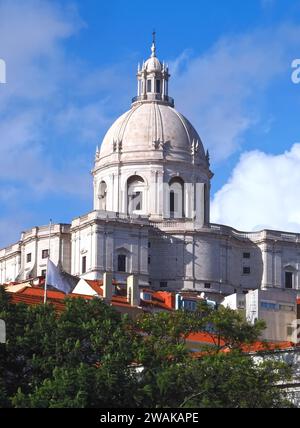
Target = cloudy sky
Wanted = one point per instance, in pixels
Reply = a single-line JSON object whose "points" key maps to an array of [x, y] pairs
{"points": [[71, 71]]}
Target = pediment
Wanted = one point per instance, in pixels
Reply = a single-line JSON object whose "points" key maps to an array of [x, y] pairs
{"points": [[123, 249]]}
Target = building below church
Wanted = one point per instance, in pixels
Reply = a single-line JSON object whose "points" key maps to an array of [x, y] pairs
{"points": [[151, 214]]}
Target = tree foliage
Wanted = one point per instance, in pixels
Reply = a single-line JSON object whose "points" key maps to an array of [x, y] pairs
{"points": [[92, 356]]}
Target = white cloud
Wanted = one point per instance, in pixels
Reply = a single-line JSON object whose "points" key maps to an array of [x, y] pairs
{"points": [[53, 109], [32, 36], [261, 193], [31, 33], [220, 91], [86, 122]]}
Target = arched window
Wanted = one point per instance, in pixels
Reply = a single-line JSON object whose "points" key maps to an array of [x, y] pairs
{"points": [[102, 196], [135, 194], [176, 198]]}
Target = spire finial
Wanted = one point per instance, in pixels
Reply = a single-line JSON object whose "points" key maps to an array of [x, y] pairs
{"points": [[153, 47]]}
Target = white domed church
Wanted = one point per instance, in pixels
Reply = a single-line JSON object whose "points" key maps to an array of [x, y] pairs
{"points": [[151, 214]]}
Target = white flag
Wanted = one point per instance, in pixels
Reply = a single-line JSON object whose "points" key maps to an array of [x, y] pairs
{"points": [[56, 278]]}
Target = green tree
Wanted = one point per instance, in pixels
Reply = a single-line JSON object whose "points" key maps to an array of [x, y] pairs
{"points": [[229, 329], [234, 380], [92, 356]]}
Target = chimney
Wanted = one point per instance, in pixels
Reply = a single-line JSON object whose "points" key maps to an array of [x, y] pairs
{"points": [[133, 293], [107, 286]]}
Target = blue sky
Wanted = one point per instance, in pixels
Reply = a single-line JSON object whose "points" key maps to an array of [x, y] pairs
{"points": [[71, 69]]}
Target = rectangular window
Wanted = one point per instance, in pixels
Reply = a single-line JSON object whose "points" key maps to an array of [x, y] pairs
{"points": [[288, 279], [246, 255], [28, 258], [83, 264], [268, 306], [43, 273], [121, 263], [149, 260], [286, 308], [246, 270], [290, 330], [137, 201], [45, 254], [207, 285], [189, 305], [172, 202], [149, 86], [147, 296], [163, 284], [149, 244]]}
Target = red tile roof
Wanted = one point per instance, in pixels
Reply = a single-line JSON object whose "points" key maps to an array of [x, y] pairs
{"points": [[35, 296], [160, 299], [210, 339], [95, 285], [154, 304], [204, 338], [267, 346]]}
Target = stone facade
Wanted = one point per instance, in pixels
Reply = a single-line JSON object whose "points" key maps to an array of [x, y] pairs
{"points": [[28, 258], [152, 212], [104, 241], [278, 308]]}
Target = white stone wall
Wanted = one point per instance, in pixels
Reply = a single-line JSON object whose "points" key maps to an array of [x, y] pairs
{"points": [[277, 316], [13, 260], [101, 237], [196, 258], [10, 263], [292, 358], [235, 302], [221, 257], [182, 255], [37, 240], [156, 176], [280, 256], [84, 288]]}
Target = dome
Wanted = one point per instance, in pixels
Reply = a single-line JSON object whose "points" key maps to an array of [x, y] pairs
{"points": [[153, 65], [149, 129], [152, 155], [152, 130]]}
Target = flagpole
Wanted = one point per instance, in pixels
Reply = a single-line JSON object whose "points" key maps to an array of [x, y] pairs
{"points": [[45, 288]]}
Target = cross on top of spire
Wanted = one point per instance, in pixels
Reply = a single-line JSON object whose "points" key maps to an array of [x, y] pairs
{"points": [[153, 47]]}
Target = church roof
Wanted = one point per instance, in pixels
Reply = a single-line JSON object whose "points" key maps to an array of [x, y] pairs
{"points": [[148, 127]]}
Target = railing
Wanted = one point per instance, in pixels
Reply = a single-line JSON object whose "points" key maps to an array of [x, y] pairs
{"points": [[154, 97], [111, 215], [255, 236], [174, 224], [8, 250]]}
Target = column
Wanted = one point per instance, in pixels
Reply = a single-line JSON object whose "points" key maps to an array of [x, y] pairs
{"points": [[200, 204], [267, 256]]}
